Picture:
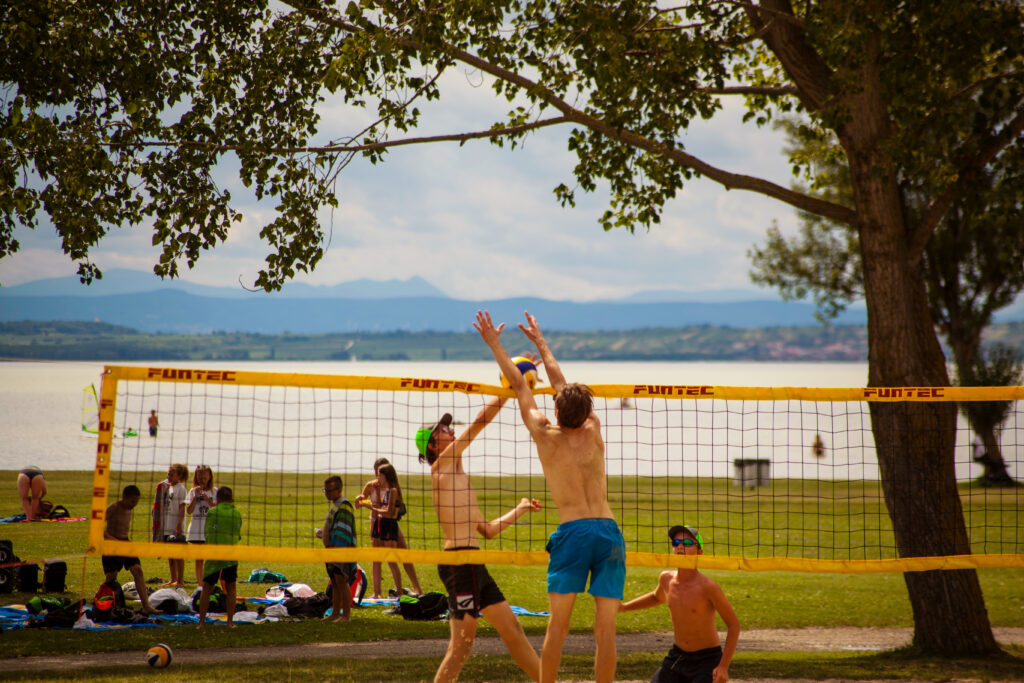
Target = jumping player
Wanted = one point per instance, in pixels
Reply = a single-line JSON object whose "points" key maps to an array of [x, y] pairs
{"points": [[587, 543], [471, 590], [693, 599]]}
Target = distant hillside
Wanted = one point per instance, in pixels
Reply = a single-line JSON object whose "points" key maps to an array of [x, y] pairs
{"points": [[102, 341], [173, 311], [123, 281]]}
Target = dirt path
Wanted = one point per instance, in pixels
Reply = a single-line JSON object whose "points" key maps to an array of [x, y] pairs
{"points": [[774, 640]]}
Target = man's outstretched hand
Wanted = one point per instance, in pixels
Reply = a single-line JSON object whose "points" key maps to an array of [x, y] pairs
{"points": [[485, 326]]}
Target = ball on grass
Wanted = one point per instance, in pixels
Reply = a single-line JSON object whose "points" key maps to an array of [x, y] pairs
{"points": [[159, 656], [525, 366]]}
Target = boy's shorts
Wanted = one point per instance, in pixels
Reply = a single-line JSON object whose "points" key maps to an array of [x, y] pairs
{"points": [[227, 575], [680, 666], [587, 547], [470, 588], [346, 570], [115, 563]]}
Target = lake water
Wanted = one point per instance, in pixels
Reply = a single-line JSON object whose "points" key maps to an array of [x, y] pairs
{"points": [[263, 429]]}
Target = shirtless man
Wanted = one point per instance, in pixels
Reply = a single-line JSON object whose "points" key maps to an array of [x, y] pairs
{"points": [[697, 655], [471, 590], [588, 541]]}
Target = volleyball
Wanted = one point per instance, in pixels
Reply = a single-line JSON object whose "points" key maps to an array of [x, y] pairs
{"points": [[525, 366], [159, 656]]}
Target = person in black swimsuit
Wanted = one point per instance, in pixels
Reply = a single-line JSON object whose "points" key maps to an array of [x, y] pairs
{"points": [[31, 489]]}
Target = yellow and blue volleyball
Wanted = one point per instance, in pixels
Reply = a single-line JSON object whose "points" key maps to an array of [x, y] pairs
{"points": [[159, 656], [525, 366]]}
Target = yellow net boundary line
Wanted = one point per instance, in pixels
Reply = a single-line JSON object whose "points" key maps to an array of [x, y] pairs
{"points": [[113, 374], [269, 554], [676, 391]]}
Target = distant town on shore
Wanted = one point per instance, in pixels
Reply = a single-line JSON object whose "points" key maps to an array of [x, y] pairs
{"points": [[75, 340]]}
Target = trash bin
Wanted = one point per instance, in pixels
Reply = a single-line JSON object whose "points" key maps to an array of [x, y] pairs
{"points": [[751, 472]]}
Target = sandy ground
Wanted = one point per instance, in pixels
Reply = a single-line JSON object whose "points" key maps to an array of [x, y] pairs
{"points": [[775, 640]]}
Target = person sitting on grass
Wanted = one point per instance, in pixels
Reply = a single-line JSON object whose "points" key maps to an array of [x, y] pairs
{"points": [[223, 527], [118, 527], [339, 531], [693, 599]]}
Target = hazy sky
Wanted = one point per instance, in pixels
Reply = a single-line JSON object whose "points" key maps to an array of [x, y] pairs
{"points": [[481, 222]]}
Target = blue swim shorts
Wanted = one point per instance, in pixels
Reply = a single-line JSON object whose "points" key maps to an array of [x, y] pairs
{"points": [[587, 547]]}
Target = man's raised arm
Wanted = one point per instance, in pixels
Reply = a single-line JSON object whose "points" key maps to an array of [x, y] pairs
{"points": [[533, 333], [482, 419]]}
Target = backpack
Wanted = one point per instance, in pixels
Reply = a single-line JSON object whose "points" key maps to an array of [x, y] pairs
{"points": [[264, 575], [218, 600], [57, 512], [426, 607], [8, 575], [109, 601], [55, 573], [28, 577]]}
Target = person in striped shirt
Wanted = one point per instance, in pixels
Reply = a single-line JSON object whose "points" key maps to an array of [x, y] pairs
{"points": [[339, 531]]}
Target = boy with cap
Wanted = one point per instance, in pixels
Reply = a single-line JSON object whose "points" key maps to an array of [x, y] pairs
{"points": [[471, 590], [693, 599], [588, 543]]}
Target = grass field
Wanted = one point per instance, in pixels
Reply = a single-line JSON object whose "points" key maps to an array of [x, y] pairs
{"points": [[762, 600]]}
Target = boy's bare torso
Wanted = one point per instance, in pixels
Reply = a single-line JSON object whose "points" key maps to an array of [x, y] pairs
{"points": [[693, 613], [456, 505]]}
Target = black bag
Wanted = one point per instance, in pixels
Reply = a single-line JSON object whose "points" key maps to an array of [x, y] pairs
{"points": [[426, 607], [313, 606], [28, 578], [58, 512], [55, 574], [218, 600], [8, 575], [7, 551]]}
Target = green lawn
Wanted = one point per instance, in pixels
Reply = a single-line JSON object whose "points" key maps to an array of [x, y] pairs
{"points": [[761, 599]]}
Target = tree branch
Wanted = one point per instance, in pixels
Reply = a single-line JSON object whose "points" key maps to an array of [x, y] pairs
{"points": [[788, 42], [730, 181], [338, 149], [940, 205], [769, 90]]}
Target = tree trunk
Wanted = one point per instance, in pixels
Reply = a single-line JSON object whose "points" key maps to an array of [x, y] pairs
{"points": [[914, 440]]}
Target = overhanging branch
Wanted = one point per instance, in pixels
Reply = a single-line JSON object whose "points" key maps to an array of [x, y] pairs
{"points": [[340, 149], [730, 181]]}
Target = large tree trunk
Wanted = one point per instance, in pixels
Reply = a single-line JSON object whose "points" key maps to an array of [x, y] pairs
{"points": [[914, 440]]}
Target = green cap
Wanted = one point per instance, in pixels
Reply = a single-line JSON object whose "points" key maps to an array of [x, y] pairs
{"points": [[423, 434]]}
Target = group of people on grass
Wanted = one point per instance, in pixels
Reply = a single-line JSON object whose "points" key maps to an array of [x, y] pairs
{"points": [[586, 546]]}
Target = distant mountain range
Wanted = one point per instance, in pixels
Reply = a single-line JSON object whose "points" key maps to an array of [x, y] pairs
{"points": [[135, 299]]}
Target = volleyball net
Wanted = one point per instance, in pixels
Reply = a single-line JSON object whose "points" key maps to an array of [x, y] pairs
{"points": [[774, 478]]}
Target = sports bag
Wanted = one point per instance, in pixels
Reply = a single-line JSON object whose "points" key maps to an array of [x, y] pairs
{"points": [[426, 607], [108, 602], [55, 574]]}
